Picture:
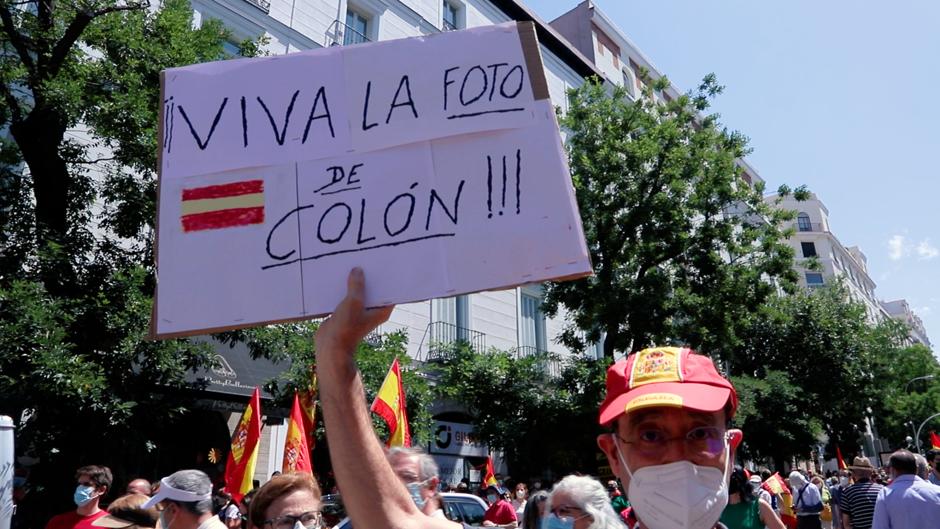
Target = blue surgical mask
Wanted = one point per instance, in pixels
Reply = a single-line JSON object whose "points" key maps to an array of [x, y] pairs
{"points": [[415, 490], [491, 498], [83, 494], [550, 521]]}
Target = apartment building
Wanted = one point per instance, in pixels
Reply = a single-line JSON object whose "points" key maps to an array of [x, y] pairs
{"points": [[900, 310]]}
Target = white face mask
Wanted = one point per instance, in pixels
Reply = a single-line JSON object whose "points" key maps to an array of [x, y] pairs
{"points": [[678, 495], [844, 481], [520, 494]]}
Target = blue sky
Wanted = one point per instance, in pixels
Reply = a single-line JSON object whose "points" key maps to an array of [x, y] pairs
{"points": [[841, 96]]}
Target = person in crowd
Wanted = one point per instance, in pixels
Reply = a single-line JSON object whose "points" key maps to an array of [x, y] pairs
{"points": [[519, 498], [184, 501], [933, 461], [807, 501], [758, 491], [286, 501], [93, 483], [843, 480], [419, 473], [922, 467], [534, 510], [500, 512], [668, 408], [228, 509], [127, 512], [580, 502], [858, 500], [617, 500], [825, 517], [909, 502], [745, 509], [138, 486]]}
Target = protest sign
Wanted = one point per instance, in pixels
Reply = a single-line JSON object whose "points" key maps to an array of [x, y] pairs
{"points": [[433, 163]]}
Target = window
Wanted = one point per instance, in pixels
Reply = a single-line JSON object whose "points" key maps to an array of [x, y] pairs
{"points": [[803, 223], [357, 28], [455, 312], [814, 279], [532, 324], [472, 513], [450, 17], [809, 249]]}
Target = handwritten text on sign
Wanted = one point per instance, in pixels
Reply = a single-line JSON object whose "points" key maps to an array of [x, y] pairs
{"points": [[457, 212]]}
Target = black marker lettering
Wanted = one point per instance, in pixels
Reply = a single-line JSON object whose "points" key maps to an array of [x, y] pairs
{"points": [[409, 103], [336, 169], [518, 181], [345, 226], [244, 124], [272, 255], [464, 85], [172, 121], [436, 197], [502, 85], [218, 115], [365, 108], [489, 187], [362, 215], [411, 210], [495, 68], [503, 206], [447, 82], [352, 172], [313, 116], [290, 108]]}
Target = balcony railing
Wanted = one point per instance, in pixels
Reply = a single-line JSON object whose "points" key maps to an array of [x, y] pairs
{"points": [[263, 5], [339, 34], [809, 226], [442, 337], [550, 363]]}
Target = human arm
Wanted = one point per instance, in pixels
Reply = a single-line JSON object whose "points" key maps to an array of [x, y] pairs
{"points": [[372, 493], [768, 517], [846, 521]]}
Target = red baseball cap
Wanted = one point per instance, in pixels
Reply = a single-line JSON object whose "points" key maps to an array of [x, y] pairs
{"points": [[666, 376]]}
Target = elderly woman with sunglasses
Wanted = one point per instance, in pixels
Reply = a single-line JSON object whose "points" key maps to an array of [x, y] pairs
{"points": [[579, 502], [288, 501]]}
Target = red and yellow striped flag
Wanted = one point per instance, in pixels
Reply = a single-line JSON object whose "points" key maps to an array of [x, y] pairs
{"points": [[489, 477], [240, 466], [840, 460], [935, 441], [296, 452], [390, 405], [223, 206], [308, 408]]}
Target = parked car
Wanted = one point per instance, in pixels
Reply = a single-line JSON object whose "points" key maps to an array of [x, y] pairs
{"points": [[462, 508]]}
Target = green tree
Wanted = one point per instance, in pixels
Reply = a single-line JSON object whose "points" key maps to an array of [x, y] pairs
{"points": [[808, 364], [79, 95], [908, 382], [683, 249], [541, 423]]}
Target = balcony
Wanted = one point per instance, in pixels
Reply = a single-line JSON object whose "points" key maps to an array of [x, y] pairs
{"points": [[339, 34], [550, 363], [442, 337], [809, 226]]}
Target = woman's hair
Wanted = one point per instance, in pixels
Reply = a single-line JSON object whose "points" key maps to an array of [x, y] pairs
{"points": [[738, 483], [591, 497], [531, 514], [280, 486], [129, 508]]}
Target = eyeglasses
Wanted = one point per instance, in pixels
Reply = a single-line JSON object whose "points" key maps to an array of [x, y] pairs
{"points": [[567, 511], [309, 520], [703, 441]]}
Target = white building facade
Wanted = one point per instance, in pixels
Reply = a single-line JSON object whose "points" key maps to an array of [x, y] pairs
{"points": [[900, 310]]}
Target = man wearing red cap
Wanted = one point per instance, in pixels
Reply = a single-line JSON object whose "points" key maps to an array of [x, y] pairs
{"points": [[668, 409]]}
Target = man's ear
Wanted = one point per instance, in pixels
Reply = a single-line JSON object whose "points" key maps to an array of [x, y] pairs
{"points": [[735, 437], [605, 442]]}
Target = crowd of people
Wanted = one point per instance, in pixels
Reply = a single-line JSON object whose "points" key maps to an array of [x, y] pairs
{"points": [[666, 412]]}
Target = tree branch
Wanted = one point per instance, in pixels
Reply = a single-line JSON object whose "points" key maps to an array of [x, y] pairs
{"points": [[16, 38], [75, 29], [11, 102]]}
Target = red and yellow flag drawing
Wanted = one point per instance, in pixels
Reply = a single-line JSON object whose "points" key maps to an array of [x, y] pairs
{"points": [[296, 451], [839, 459], [935, 441], [240, 466], [489, 476], [390, 405], [223, 206]]}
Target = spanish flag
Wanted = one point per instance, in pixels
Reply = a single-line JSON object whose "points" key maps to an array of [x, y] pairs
{"points": [[489, 476], [778, 486], [240, 466], [296, 452], [839, 459], [390, 405], [223, 206], [935, 441], [308, 408]]}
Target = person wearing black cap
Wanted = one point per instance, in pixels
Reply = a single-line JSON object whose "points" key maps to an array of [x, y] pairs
{"points": [[184, 501]]}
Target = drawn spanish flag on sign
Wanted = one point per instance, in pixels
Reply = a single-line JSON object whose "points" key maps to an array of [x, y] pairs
{"points": [[223, 206]]}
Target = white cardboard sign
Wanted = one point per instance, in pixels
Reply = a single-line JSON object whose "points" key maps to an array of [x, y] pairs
{"points": [[435, 164]]}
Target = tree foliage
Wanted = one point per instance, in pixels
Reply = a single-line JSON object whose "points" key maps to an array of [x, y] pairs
{"points": [[908, 382], [808, 366], [682, 247], [541, 423]]}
